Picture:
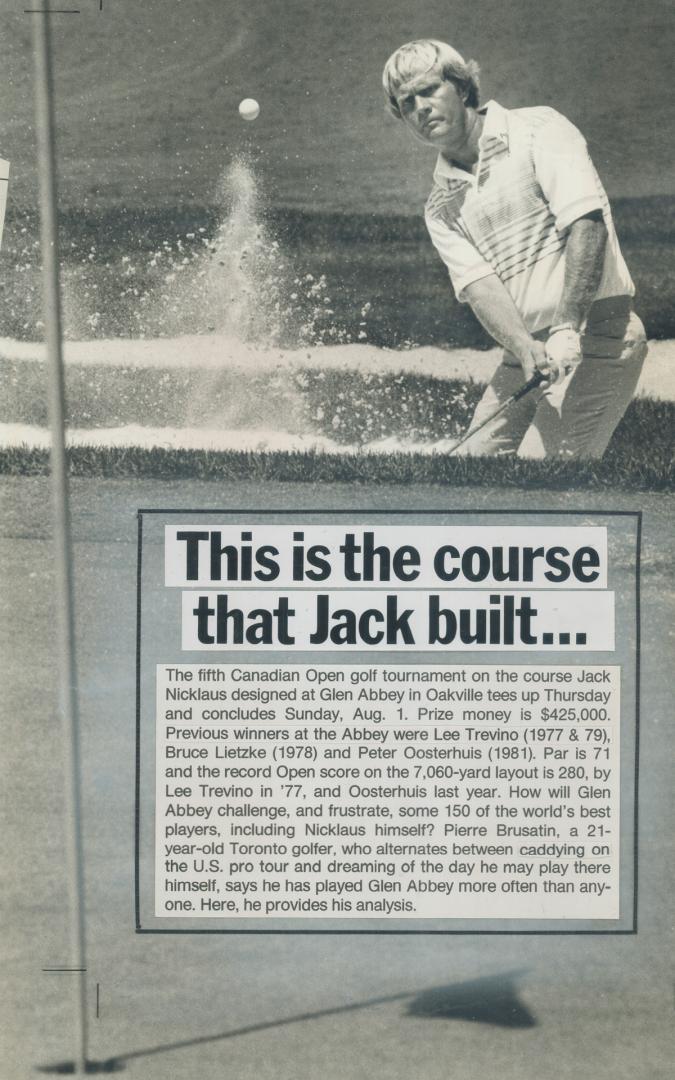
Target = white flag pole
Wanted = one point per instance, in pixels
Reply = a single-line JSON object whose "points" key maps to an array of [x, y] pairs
{"points": [[67, 675]]}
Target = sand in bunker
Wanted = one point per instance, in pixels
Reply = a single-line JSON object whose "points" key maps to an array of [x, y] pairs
{"points": [[241, 396]]}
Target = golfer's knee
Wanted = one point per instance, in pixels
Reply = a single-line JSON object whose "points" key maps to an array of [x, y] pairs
{"points": [[635, 345]]}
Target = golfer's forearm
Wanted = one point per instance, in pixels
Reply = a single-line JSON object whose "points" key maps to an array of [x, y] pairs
{"points": [[494, 308], [584, 261]]}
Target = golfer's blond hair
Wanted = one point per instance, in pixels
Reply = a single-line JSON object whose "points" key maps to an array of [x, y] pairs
{"points": [[417, 57]]}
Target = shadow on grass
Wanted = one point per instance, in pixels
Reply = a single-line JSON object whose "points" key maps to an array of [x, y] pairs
{"points": [[491, 1000]]}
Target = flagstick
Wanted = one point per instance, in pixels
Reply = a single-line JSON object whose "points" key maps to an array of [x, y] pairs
{"points": [[67, 675]]}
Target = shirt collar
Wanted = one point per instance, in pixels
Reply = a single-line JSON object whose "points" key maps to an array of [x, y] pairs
{"points": [[495, 133]]}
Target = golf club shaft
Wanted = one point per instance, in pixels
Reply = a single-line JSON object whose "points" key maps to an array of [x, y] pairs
{"points": [[531, 384]]}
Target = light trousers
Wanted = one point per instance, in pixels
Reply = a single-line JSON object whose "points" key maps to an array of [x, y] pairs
{"points": [[576, 417]]}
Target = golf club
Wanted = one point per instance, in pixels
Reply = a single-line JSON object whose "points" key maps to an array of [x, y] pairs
{"points": [[531, 384]]}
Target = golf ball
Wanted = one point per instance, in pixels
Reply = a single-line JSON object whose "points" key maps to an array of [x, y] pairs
{"points": [[249, 109]]}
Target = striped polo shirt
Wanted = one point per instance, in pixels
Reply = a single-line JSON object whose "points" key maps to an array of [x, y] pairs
{"points": [[511, 216]]}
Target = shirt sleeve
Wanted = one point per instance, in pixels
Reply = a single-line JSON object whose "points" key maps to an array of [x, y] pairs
{"points": [[464, 263], [565, 172]]}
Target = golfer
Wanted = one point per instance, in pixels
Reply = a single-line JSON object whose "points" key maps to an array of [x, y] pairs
{"points": [[521, 220]]}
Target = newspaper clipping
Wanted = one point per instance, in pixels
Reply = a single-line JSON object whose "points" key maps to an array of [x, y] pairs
{"points": [[337, 375]]}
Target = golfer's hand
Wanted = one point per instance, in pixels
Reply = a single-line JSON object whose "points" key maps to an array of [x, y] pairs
{"points": [[533, 358], [563, 353]]}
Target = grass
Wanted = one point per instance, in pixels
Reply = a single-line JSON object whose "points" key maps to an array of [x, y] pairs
{"points": [[640, 458], [337, 278], [347, 407], [117, 266]]}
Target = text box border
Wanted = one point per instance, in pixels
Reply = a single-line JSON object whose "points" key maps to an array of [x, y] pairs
{"points": [[635, 514]]}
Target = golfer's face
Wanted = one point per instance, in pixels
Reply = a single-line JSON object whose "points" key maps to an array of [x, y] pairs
{"points": [[433, 109]]}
